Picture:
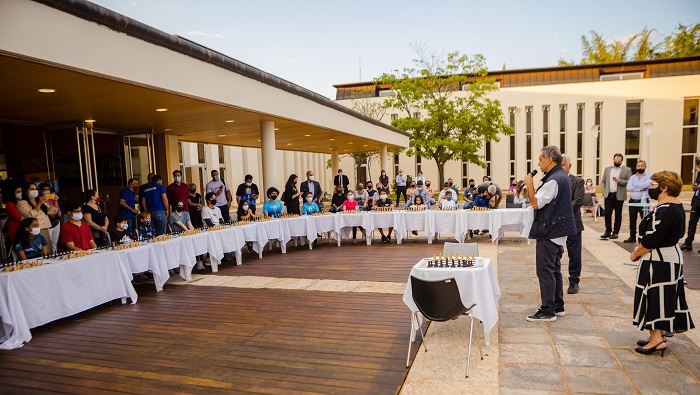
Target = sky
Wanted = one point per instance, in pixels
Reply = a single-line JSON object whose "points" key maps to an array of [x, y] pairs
{"points": [[317, 44]]}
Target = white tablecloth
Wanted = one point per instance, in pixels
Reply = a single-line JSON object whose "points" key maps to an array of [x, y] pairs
{"points": [[345, 222], [476, 285], [255, 233], [449, 222], [301, 227], [39, 295], [411, 220], [516, 219], [324, 223], [144, 258]]}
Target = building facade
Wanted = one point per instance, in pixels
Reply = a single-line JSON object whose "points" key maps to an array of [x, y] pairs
{"points": [[643, 110]]}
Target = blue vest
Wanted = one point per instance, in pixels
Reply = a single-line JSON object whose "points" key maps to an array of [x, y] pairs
{"points": [[556, 219]]}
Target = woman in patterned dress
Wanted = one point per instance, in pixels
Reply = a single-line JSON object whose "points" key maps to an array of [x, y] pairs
{"points": [[659, 297]]}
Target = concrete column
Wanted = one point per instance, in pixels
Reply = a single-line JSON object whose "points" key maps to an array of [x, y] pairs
{"points": [[383, 159], [269, 159], [304, 163], [297, 162], [167, 155]]}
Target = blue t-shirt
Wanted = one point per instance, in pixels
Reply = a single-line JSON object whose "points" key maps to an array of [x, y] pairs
{"points": [[153, 195], [481, 201], [146, 230], [309, 208], [129, 197], [273, 209], [34, 248]]}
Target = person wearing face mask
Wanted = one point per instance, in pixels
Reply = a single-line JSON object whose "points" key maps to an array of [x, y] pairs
{"points": [[614, 183], [221, 190], [177, 190], [590, 189], [472, 185], [273, 208], [146, 230], [443, 193], [341, 180], [401, 180], [420, 190], [520, 195], [143, 187], [638, 185], [195, 203], [127, 204], [659, 297], [180, 220], [411, 188], [120, 233], [337, 200], [468, 198], [428, 186], [573, 243], [313, 186], [291, 195], [694, 210], [450, 182], [155, 201], [351, 204], [309, 207], [76, 234], [448, 203], [384, 201], [13, 215], [35, 205], [28, 243], [95, 216], [247, 192], [361, 197], [54, 213], [372, 196], [419, 177], [211, 214], [383, 182]]}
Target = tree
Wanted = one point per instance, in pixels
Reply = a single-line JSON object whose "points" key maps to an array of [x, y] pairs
{"points": [[685, 42], [444, 124]]}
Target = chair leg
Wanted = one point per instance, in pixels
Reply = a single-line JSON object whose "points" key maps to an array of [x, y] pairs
{"points": [[482, 338], [469, 350], [408, 357], [420, 328]]}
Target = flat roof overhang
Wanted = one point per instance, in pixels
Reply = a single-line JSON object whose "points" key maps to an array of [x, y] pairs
{"points": [[120, 81]]}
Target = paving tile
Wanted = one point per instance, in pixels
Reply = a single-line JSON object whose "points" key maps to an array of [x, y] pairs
{"points": [[516, 391], [533, 378], [574, 322], [527, 354], [609, 310], [615, 323], [447, 387], [691, 361], [597, 380], [634, 361], [537, 335], [624, 339], [594, 298], [681, 343], [518, 306], [665, 383], [516, 320], [577, 337], [586, 356]]}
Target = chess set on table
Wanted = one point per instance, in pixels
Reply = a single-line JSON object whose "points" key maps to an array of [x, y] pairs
{"points": [[319, 214], [417, 208], [350, 212], [383, 209], [286, 216], [161, 238], [15, 266], [191, 232], [481, 209], [443, 260], [126, 246]]}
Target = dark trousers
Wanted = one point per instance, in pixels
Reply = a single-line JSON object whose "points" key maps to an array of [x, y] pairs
{"points": [[548, 264], [401, 191], [634, 212], [693, 221], [226, 215], [611, 203], [573, 248]]}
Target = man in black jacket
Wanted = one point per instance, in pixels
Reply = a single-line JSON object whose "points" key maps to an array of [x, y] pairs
{"points": [[694, 211], [341, 180], [573, 243], [310, 185]]}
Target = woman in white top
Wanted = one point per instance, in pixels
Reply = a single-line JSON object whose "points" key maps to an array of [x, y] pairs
{"points": [[211, 215], [520, 196]]}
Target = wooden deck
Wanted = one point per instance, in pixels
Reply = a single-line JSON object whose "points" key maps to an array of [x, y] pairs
{"points": [[217, 340]]}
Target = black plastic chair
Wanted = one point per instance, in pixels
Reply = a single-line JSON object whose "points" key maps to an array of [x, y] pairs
{"points": [[440, 301]]}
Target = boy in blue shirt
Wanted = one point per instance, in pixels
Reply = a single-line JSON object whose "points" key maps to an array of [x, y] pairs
{"points": [[309, 207]]}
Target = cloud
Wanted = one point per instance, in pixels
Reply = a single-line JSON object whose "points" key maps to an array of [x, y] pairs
{"points": [[563, 50], [624, 38], [556, 34], [204, 34]]}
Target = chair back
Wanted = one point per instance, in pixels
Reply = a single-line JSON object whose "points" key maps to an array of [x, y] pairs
{"points": [[510, 198], [514, 205], [461, 248], [437, 300], [587, 200]]}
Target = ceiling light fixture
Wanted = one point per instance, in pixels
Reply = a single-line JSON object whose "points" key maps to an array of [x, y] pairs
{"points": [[350, 142], [168, 130], [90, 121], [222, 135], [289, 143], [365, 145], [331, 139], [230, 121], [307, 135], [277, 128], [161, 109], [47, 90]]}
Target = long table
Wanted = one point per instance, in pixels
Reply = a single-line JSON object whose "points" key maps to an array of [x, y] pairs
{"points": [[36, 296]]}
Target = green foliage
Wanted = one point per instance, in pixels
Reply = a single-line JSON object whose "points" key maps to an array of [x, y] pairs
{"points": [[685, 41], [453, 124]]}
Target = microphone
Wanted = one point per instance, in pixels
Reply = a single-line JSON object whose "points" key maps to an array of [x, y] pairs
{"points": [[533, 173]]}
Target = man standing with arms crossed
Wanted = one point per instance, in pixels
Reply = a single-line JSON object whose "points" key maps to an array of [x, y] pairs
{"points": [[401, 187], [638, 185], [573, 243], [614, 183], [554, 222]]}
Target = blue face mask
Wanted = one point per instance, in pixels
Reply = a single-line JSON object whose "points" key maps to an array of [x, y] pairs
{"points": [[449, 198], [178, 178], [216, 178]]}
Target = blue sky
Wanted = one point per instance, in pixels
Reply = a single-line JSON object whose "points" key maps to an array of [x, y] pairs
{"points": [[319, 43]]}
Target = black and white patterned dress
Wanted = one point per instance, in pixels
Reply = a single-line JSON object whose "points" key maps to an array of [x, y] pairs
{"points": [[659, 297]]}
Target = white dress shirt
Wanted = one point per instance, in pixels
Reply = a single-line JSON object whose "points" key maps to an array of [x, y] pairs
{"points": [[614, 173]]}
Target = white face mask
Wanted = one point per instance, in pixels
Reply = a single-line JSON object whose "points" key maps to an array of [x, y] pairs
{"points": [[245, 207], [35, 231], [590, 184], [18, 196], [124, 226], [309, 199], [33, 194], [311, 178], [382, 196], [351, 198], [77, 216]]}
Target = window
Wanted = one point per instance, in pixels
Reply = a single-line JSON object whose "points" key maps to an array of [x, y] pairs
{"points": [[419, 164], [599, 122], [465, 174], [562, 128], [416, 115], [201, 157], [622, 76], [545, 125], [528, 138], [396, 165], [633, 125], [511, 141], [487, 156], [394, 117], [222, 162], [221, 153], [579, 138], [689, 148]]}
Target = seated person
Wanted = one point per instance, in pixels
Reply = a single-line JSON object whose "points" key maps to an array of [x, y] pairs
{"points": [[75, 234], [273, 208], [146, 229], [337, 200], [448, 203], [497, 193], [468, 198], [423, 192], [309, 207], [411, 189], [520, 195], [350, 203], [120, 234], [245, 213], [361, 197], [417, 204], [180, 220], [445, 188], [372, 196], [485, 198], [211, 215], [384, 201], [29, 243]]}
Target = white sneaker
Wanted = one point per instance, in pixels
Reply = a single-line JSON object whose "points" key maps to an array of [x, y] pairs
{"points": [[560, 313]]}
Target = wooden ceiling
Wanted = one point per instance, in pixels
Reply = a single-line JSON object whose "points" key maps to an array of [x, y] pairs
{"points": [[123, 107]]}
